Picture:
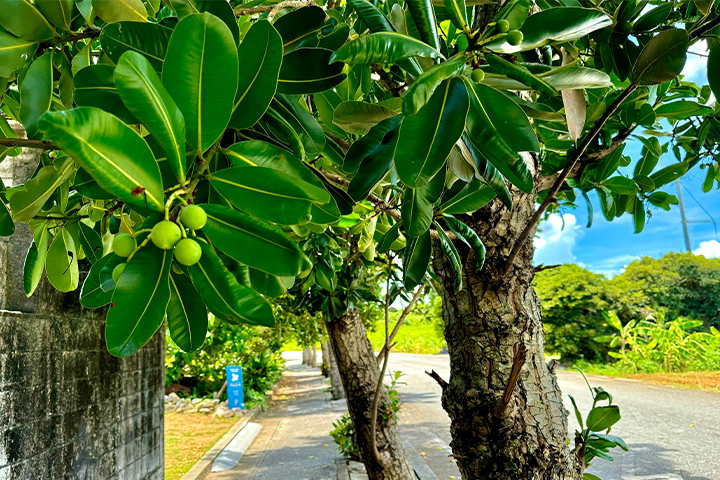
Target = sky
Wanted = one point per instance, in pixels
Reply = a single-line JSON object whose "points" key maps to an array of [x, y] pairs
{"points": [[607, 247]]}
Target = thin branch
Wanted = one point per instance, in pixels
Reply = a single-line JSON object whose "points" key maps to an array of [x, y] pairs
{"points": [[519, 357], [705, 27], [542, 267], [549, 198], [434, 375], [400, 321], [341, 142], [25, 143], [92, 32], [273, 9]]}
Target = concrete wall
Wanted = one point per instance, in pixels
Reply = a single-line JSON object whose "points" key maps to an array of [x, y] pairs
{"points": [[68, 409]]}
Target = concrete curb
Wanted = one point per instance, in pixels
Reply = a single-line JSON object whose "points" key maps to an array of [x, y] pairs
{"points": [[202, 467], [421, 468]]}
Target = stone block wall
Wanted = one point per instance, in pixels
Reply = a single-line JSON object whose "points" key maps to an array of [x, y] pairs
{"points": [[69, 409]]}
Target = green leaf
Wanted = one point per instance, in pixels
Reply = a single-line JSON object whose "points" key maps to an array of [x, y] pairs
{"points": [[662, 58], [499, 129], [35, 262], [419, 93], [451, 252], [302, 122], [469, 237], [201, 74], [682, 109], [306, 70], [14, 52], [149, 39], [59, 12], [553, 26], [662, 200], [416, 260], [426, 139], [94, 86], [359, 117], [365, 146], [373, 168], [28, 201], [417, 206], [269, 194], [457, 11], [578, 415], [145, 96], [141, 298], [383, 48], [561, 78], [7, 227], [90, 242], [23, 19], [300, 27], [375, 20], [92, 295], [621, 185], [519, 73], [602, 418], [638, 215], [266, 284], [485, 171], [117, 156], [471, 197], [61, 264], [261, 53], [221, 10], [120, 10], [713, 66], [389, 238], [667, 174], [253, 242], [224, 296], [423, 13], [187, 317], [36, 93], [653, 18], [645, 183]]}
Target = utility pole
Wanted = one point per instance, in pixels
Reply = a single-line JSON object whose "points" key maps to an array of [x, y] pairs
{"points": [[682, 215]]}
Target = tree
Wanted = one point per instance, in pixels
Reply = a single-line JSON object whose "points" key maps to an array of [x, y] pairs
{"points": [[409, 109]]}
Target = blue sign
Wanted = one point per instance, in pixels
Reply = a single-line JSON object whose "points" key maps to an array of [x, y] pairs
{"points": [[236, 398]]}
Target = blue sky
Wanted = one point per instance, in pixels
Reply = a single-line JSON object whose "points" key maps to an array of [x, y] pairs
{"points": [[607, 247]]}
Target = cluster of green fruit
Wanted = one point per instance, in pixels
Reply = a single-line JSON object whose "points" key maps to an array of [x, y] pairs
{"points": [[166, 235], [513, 37]]}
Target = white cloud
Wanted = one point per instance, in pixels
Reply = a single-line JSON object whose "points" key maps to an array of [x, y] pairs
{"points": [[710, 249], [696, 65], [554, 244]]}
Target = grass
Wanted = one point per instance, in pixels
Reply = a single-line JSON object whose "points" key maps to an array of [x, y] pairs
{"points": [[415, 336], [707, 380], [188, 437]]}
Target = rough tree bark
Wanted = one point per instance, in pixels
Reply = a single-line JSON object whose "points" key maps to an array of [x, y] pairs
{"points": [[500, 430], [360, 375]]}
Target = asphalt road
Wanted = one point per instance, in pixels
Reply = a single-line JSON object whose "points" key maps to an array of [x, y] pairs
{"points": [[668, 430]]}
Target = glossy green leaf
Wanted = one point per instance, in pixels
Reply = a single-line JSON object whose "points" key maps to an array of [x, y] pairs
{"points": [[638, 215], [668, 174], [383, 48], [682, 109], [261, 53], [499, 129], [7, 227], [266, 284], [515, 13], [187, 317], [90, 242], [221, 10], [469, 237], [373, 168], [645, 183], [147, 99], [61, 265], [140, 300], [224, 296], [269, 194], [302, 122], [201, 74], [713, 67], [652, 18], [300, 27], [423, 13], [6, 131], [281, 128], [35, 262], [419, 93], [562, 78], [306, 71], [662, 58], [602, 418], [426, 139], [148, 39], [471, 197], [621, 185], [390, 237], [663, 200], [253, 242], [119, 159], [107, 283], [457, 11], [359, 117], [36, 93], [59, 12], [120, 10], [95, 87], [368, 144], [14, 52], [83, 59], [337, 38], [553, 26], [417, 206], [23, 19], [416, 259], [451, 252], [91, 294], [519, 73], [28, 201], [486, 172]]}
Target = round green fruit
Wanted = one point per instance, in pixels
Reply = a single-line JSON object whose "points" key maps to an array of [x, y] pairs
{"points": [[123, 245], [503, 26], [514, 37], [478, 75], [165, 234], [188, 252], [193, 217], [117, 271]]}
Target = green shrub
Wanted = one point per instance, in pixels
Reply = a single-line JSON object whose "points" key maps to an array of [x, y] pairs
{"points": [[344, 436]]}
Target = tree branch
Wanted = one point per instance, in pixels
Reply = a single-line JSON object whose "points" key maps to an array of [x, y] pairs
{"points": [[519, 357], [705, 27], [434, 375], [273, 9], [25, 143], [92, 32], [549, 198], [400, 321]]}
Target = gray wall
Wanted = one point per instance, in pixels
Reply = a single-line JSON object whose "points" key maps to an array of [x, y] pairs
{"points": [[68, 409]]}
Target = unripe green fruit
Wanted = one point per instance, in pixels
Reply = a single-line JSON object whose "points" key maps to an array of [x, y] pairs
{"points": [[177, 270], [165, 234], [188, 252], [123, 245], [117, 271], [478, 75], [193, 217], [462, 43], [503, 26], [514, 37]]}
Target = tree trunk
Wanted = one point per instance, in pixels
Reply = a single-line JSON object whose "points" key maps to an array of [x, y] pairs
{"points": [[313, 356], [325, 365], [306, 355], [336, 387], [493, 323], [360, 374]]}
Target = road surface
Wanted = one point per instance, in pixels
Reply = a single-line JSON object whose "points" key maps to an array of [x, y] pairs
{"points": [[669, 430]]}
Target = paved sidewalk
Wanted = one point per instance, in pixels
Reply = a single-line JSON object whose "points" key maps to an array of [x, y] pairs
{"points": [[294, 442]]}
